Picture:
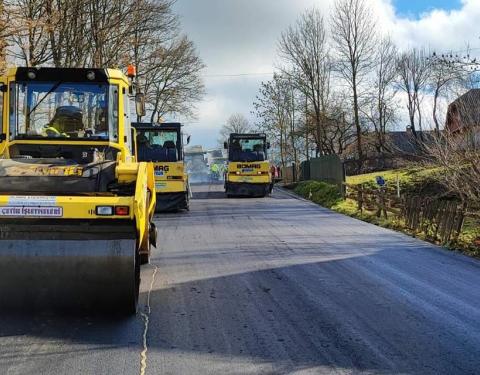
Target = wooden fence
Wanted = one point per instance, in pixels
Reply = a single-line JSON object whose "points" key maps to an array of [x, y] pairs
{"points": [[438, 219]]}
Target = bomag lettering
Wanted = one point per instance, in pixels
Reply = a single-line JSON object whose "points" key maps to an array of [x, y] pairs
{"points": [[242, 166], [163, 168]]}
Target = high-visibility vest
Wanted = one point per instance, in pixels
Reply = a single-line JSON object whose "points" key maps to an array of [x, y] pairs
{"points": [[50, 130]]}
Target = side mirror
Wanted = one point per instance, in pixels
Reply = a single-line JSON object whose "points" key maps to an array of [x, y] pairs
{"points": [[225, 145], [188, 140], [140, 104], [268, 145], [3, 137]]}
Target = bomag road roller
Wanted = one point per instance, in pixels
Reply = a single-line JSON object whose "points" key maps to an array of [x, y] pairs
{"points": [[248, 172], [76, 208], [162, 145]]}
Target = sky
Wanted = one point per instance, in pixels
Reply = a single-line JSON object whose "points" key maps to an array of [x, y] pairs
{"points": [[237, 40]]}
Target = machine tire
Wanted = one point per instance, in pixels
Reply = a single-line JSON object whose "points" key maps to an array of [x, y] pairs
{"points": [[130, 307], [144, 259], [187, 202]]}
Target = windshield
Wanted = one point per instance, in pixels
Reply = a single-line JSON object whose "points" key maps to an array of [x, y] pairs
{"points": [[154, 145], [251, 149], [63, 110]]}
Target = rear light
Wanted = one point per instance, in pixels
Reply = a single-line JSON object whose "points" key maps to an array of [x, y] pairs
{"points": [[122, 210], [104, 210]]}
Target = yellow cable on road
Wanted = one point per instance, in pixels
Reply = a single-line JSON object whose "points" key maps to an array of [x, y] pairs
{"points": [[146, 320]]}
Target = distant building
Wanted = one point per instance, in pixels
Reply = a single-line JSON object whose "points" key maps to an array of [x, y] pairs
{"points": [[463, 117], [464, 112], [398, 149]]}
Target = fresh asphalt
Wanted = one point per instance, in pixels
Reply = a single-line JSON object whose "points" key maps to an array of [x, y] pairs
{"points": [[271, 285]]}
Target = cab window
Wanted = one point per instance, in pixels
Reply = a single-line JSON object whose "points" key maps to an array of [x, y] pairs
{"points": [[154, 145]]}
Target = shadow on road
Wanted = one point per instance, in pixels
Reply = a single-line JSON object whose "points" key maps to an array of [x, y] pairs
{"points": [[297, 316], [209, 195]]}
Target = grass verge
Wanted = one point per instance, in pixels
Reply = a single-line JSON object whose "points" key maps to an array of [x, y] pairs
{"points": [[327, 195]]}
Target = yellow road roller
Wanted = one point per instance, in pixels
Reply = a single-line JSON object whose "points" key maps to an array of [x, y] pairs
{"points": [[162, 145], [76, 208], [248, 172]]}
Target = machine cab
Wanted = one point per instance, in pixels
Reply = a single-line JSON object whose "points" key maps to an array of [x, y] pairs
{"points": [[68, 113], [247, 147], [162, 145], [159, 143]]}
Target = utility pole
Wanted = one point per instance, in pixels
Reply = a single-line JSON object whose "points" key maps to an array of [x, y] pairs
{"points": [[307, 146]]}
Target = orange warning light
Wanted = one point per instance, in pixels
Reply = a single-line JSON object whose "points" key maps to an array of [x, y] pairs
{"points": [[131, 71]]}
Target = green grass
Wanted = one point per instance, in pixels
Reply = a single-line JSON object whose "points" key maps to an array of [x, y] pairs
{"points": [[469, 240], [409, 179], [321, 193]]}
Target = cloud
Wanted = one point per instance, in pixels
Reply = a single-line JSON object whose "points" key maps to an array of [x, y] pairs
{"points": [[240, 36]]}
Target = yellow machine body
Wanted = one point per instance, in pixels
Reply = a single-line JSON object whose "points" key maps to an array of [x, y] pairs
{"points": [[171, 179], [248, 172], [88, 240]]}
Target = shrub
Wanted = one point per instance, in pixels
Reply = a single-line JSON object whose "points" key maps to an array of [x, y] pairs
{"points": [[324, 194]]}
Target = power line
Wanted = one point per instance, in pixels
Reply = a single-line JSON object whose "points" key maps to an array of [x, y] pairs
{"points": [[237, 75]]}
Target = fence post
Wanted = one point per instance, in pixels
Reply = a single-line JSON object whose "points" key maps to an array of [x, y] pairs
{"points": [[360, 198]]}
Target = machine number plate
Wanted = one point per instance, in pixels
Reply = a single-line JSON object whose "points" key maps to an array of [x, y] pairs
{"points": [[246, 170], [22, 211], [31, 200]]}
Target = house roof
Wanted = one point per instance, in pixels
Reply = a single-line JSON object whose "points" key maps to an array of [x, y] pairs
{"points": [[464, 111], [397, 143], [404, 142]]}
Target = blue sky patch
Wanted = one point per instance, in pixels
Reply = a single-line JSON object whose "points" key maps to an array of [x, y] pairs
{"points": [[414, 8]]}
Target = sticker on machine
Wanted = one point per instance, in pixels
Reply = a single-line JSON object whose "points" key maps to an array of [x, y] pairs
{"points": [[160, 185], [22, 211], [32, 200]]}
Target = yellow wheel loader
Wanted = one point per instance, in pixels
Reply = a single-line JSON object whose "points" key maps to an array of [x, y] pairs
{"points": [[76, 208], [248, 172], [162, 145]]}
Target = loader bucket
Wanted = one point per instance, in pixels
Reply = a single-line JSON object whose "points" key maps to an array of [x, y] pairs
{"points": [[75, 265]]}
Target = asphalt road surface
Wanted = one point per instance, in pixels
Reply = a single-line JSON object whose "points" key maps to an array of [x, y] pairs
{"points": [[270, 286]]}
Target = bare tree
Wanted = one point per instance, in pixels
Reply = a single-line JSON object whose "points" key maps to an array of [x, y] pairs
{"points": [[111, 33], [304, 48], [4, 32], [29, 20], [382, 109], [340, 128], [442, 76], [413, 70], [147, 31], [353, 34], [68, 26], [458, 156], [236, 123], [172, 81], [109, 29], [278, 108]]}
